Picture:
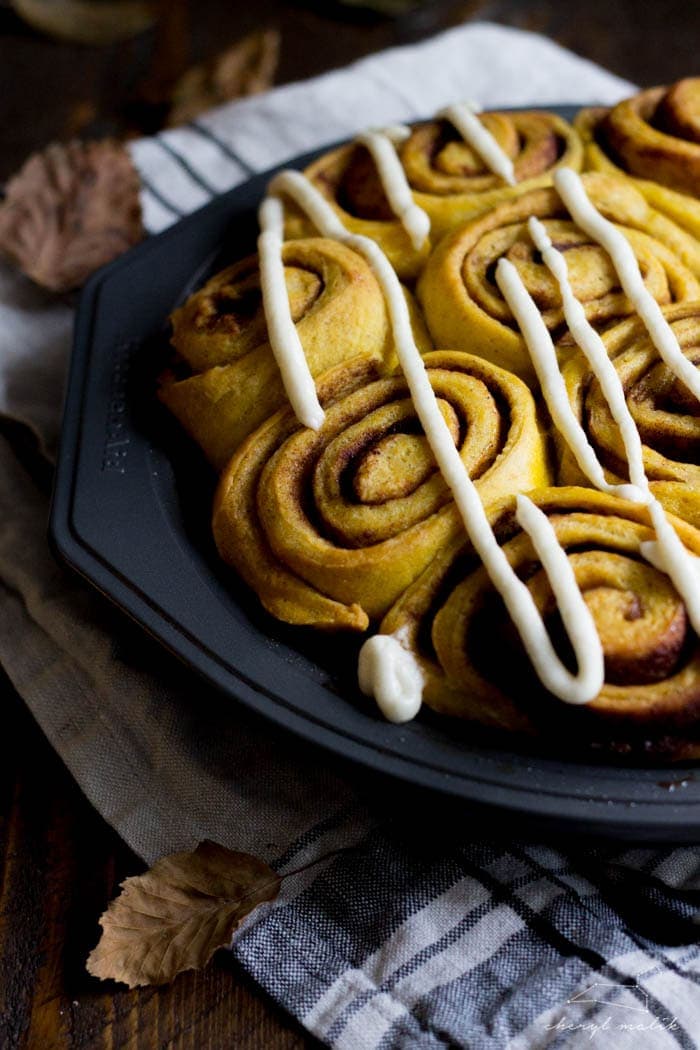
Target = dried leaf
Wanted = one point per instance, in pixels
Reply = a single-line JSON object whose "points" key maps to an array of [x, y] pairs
{"points": [[247, 68], [69, 210], [178, 913]]}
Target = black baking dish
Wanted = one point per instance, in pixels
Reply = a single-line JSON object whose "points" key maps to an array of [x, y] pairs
{"points": [[131, 514]]}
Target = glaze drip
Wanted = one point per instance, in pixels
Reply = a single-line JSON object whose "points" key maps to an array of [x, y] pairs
{"points": [[284, 338], [463, 116], [382, 147]]}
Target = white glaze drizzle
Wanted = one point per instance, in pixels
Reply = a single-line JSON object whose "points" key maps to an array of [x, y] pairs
{"points": [[544, 358], [314, 204], [667, 552], [463, 116], [585, 685], [382, 146], [388, 671], [571, 190], [593, 348], [284, 338], [575, 614]]}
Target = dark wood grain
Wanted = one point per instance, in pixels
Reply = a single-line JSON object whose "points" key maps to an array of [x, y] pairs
{"points": [[60, 865], [647, 43], [51, 89]]}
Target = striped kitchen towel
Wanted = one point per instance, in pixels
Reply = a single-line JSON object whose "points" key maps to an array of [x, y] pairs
{"points": [[399, 925]]}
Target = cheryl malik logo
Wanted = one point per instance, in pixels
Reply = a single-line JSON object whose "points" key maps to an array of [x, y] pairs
{"points": [[600, 991], [606, 1014]]}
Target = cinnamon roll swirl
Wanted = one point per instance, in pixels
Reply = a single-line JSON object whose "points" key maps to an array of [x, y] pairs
{"points": [[666, 415], [654, 137], [474, 664], [464, 308], [227, 381], [330, 526], [451, 182], [448, 179]]}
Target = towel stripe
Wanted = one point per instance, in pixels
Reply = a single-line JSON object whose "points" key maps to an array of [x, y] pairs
{"points": [[196, 177], [225, 148], [161, 198], [565, 945]]}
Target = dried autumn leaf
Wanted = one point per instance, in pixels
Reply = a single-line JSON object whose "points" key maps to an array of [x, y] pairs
{"points": [[175, 916], [69, 210], [247, 68]]}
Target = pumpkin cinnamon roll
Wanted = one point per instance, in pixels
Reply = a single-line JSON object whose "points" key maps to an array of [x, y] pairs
{"points": [[465, 309], [667, 415], [654, 137], [226, 381], [448, 179], [330, 526], [474, 664]]}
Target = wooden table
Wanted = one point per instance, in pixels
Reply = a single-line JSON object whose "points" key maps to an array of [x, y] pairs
{"points": [[61, 863], [50, 89]]}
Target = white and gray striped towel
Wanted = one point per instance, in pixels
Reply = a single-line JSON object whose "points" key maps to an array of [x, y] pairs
{"points": [[419, 932]]}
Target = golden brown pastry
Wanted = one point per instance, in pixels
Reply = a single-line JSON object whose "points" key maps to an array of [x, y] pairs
{"points": [[353, 524], [667, 415], [463, 305], [655, 137], [329, 527], [448, 179], [231, 382], [473, 661]]}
